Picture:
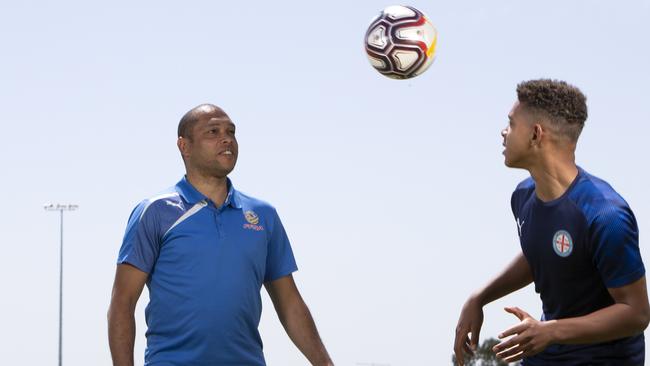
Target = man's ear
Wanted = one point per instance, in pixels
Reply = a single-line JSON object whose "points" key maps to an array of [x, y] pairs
{"points": [[182, 145]]}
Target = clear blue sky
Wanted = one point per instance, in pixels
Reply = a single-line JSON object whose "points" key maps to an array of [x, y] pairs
{"points": [[394, 193]]}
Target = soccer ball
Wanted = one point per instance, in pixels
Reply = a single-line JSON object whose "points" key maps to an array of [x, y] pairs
{"points": [[401, 42]]}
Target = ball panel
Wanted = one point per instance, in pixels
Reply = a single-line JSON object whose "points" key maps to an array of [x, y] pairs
{"points": [[399, 12], [377, 63], [423, 67], [378, 37], [404, 59]]}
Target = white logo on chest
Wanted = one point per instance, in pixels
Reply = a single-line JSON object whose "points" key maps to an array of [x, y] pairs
{"points": [[519, 225]]}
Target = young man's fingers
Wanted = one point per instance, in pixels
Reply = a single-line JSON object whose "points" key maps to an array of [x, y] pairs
{"points": [[460, 354], [467, 347], [476, 332], [461, 346], [516, 329], [509, 343], [515, 358], [517, 312], [525, 352], [510, 351]]}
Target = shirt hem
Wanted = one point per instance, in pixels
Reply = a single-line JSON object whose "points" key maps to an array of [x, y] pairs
{"points": [[626, 280], [280, 274]]}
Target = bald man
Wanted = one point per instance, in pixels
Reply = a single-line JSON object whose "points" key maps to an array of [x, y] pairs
{"points": [[204, 250]]}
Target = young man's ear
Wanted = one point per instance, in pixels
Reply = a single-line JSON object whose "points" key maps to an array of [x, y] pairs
{"points": [[538, 132]]}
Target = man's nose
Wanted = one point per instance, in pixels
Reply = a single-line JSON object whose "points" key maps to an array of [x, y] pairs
{"points": [[226, 139]]}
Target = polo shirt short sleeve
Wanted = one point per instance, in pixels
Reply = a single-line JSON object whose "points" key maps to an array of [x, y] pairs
{"points": [[280, 261], [141, 241]]}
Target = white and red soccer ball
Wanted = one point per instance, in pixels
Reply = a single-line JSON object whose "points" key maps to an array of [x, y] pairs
{"points": [[401, 42]]}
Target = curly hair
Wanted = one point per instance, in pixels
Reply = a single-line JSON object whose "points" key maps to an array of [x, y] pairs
{"points": [[563, 104]]}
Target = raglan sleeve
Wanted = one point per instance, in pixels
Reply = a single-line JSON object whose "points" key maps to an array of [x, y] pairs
{"points": [[615, 246], [280, 261], [141, 243]]}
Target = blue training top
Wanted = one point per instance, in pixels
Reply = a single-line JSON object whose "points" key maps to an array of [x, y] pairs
{"points": [[577, 246], [206, 267]]}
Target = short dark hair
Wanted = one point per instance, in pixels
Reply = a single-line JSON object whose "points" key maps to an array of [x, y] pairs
{"points": [[192, 116], [563, 104]]}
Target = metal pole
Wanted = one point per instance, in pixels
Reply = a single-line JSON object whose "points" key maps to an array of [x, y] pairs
{"points": [[60, 208], [61, 294]]}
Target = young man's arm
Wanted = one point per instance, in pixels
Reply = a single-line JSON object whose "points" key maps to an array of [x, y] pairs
{"points": [[296, 319], [127, 288], [515, 276], [627, 317]]}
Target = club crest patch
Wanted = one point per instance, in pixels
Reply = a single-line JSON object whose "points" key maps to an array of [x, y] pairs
{"points": [[252, 221], [562, 243], [252, 217]]}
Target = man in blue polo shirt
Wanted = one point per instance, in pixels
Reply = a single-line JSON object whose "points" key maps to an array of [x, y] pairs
{"points": [[204, 250], [579, 242]]}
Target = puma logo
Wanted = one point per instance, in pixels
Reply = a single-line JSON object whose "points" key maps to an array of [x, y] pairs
{"points": [[519, 225], [171, 203]]}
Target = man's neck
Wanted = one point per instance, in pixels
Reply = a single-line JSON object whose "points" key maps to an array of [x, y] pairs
{"points": [[553, 177], [215, 188]]}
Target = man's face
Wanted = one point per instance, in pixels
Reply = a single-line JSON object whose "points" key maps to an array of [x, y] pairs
{"points": [[517, 137], [212, 148]]}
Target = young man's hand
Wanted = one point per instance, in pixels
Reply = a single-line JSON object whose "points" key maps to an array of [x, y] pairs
{"points": [[530, 337], [468, 329]]}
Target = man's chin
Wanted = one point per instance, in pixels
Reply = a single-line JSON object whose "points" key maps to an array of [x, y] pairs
{"points": [[220, 171], [224, 171], [514, 164], [510, 163]]}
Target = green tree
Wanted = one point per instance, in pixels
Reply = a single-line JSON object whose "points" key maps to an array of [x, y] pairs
{"points": [[484, 356]]}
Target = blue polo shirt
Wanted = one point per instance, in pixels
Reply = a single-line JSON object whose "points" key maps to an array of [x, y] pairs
{"points": [[206, 267], [578, 246]]}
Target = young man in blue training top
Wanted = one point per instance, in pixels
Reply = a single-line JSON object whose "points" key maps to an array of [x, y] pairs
{"points": [[579, 242], [204, 250]]}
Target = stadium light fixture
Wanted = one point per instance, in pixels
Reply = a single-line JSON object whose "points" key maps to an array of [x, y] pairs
{"points": [[60, 208]]}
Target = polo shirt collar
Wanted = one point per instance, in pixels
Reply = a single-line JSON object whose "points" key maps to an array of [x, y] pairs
{"points": [[191, 195]]}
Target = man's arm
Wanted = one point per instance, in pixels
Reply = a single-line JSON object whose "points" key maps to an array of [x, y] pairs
{"points": [[127, 288], [627, 317], [515, 276], [296, 319]]}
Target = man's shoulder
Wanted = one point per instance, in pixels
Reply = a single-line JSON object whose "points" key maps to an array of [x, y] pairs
{"points": [[253, 203], [525, 185], [595, 197], [168, 201], [523, 191]]}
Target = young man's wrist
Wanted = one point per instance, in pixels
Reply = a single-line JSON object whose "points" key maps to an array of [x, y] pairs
{"points": [[555, 331], [478, 298]]}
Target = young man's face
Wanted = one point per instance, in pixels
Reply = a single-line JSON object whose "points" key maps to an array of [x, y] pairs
{"points": [[517, 137], [212, 148]]}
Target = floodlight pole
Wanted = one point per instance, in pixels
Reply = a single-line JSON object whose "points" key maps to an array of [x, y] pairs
{"points": [[60, 208]]}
